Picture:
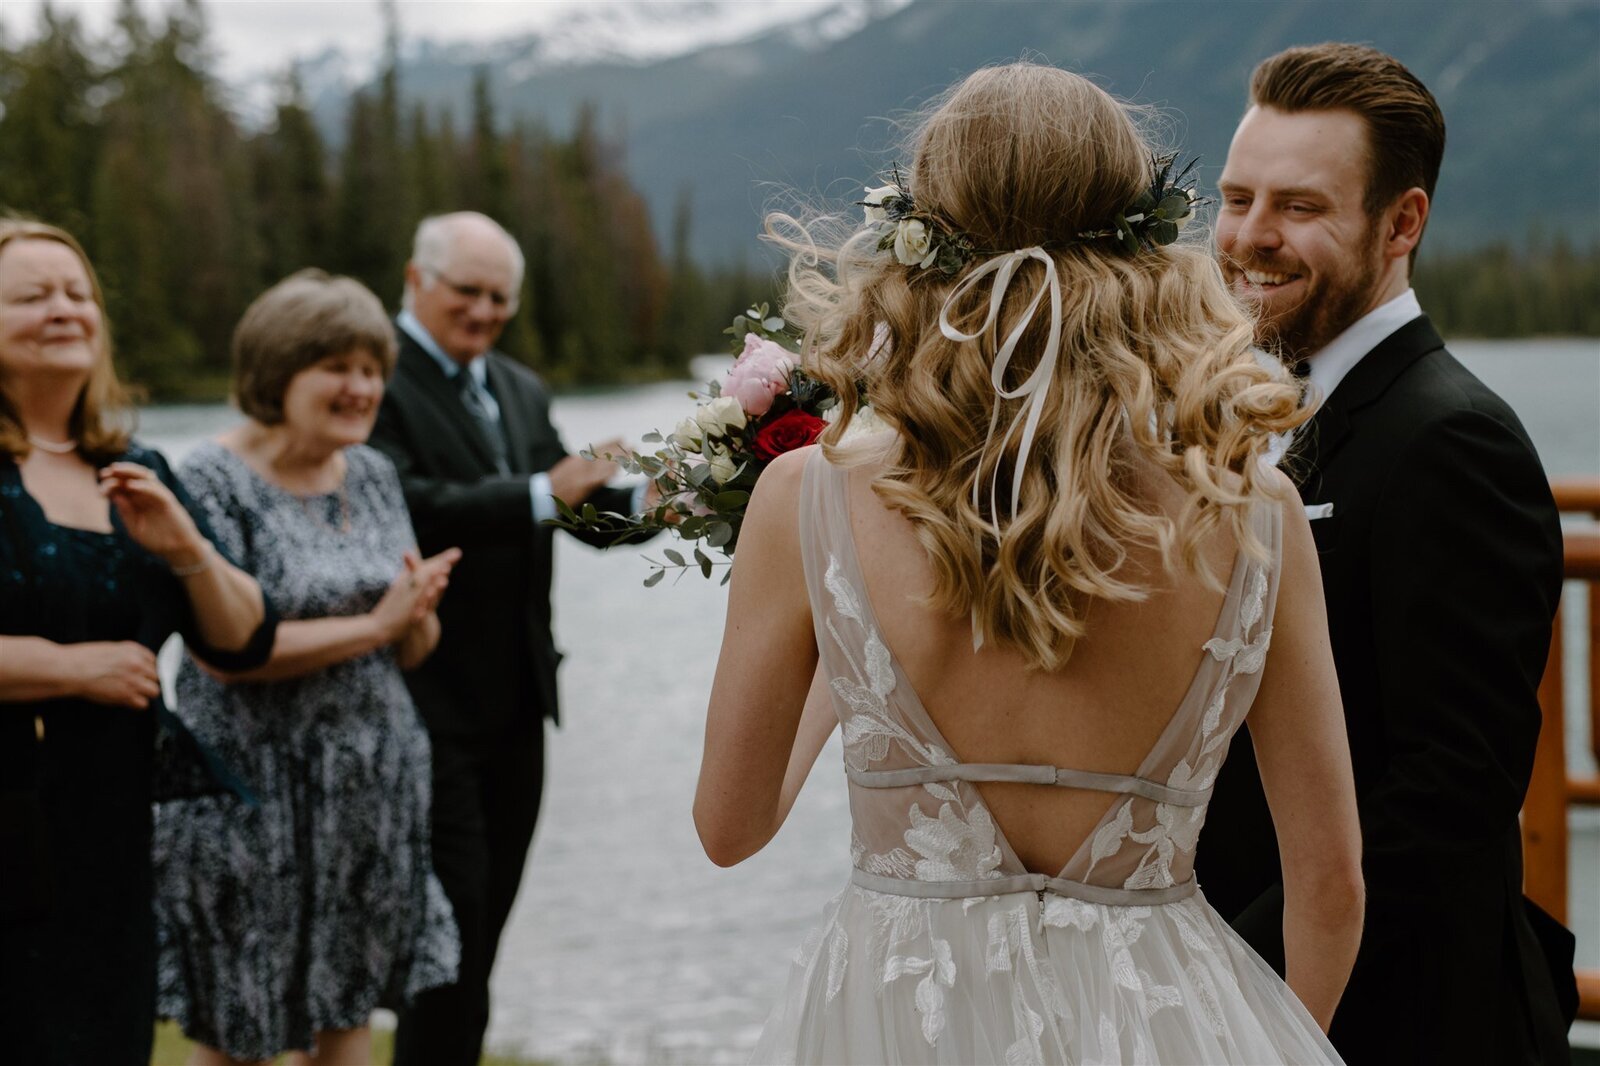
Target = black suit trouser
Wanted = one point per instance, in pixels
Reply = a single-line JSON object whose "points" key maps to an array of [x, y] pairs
{"points": [[486, 793]]}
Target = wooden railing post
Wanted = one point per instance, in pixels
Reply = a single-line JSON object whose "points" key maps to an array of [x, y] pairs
{"points": [[1544, 810], [1546, 846]]}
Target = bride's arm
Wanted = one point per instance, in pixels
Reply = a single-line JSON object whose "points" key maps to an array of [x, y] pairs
{"points": [[817, 723], [1297, 725], [769, 655]]}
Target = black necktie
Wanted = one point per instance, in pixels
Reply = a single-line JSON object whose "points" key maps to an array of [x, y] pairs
{"points": [[473, 400]]}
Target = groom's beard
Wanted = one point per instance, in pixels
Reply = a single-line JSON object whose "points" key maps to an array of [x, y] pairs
{"points": [[1331, 301]]}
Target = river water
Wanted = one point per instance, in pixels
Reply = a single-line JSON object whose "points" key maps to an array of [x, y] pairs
{"points": [[627, 945]]}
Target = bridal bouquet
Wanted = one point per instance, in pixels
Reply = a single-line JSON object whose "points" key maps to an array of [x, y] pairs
{"points": [[705, 468]]}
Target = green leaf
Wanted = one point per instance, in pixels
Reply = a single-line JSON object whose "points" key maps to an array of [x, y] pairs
{"points": [[1174, 207], [730, 500], [651, 438], [705, 562], [589, 513], [1163, 233], [654, 579], [728, 576], [720, 533], [675, 556], [564, 510]]}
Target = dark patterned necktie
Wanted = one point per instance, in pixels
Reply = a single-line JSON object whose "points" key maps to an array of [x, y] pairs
{"points": [[472, 399]]}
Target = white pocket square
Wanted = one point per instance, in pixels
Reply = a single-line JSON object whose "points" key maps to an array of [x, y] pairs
{"points": [[1315, 511]]}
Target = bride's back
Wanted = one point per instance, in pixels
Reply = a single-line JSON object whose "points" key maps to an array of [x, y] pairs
{"points": [[1101, 712], [1077, 423]]}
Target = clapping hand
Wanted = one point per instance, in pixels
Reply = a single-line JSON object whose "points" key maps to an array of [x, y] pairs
{"points": [[574, 479], [415, 591], [152, 515]]}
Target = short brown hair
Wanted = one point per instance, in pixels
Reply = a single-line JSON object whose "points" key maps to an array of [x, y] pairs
{"points": [[102, 416], [306, 317], [1405, 128]]}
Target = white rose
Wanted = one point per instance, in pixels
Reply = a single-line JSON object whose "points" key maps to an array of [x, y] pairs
{"points": [[723, 468], [913, 244], [719, 416], [1191, 196], [687, 435], [872, 203]]}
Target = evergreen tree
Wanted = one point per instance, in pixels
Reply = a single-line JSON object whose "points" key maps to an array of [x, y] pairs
{"points": [[292, 188], [49, 134]]}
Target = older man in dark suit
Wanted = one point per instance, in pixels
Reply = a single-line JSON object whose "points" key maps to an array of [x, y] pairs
{"points": [[469, 430], [1441, 560]]}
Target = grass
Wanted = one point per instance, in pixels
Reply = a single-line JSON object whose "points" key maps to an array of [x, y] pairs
{"points": [[172, 1049]]}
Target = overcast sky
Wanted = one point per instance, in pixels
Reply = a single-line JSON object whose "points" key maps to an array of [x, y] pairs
{"points": [[252, 36]]}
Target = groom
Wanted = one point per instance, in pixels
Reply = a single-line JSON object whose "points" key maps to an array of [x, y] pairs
{"points": [[1441, 561]]}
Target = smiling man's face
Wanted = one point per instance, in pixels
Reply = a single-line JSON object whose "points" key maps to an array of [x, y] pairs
{"points": [[1293, 230]]}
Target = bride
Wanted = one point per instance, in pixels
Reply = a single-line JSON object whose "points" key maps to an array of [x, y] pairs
{"points": [[1042, 607]]}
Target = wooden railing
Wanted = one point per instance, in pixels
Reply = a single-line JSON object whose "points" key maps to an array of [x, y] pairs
{"points": [[1545, 846]]}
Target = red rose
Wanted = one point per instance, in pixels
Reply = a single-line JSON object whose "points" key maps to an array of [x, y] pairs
{"points": [[790, 430]]}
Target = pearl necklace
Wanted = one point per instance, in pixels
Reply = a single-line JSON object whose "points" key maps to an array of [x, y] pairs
{"points": [[54, 447]]}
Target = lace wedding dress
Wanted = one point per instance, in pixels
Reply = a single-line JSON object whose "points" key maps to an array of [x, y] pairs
{"points": [[945, 949]]}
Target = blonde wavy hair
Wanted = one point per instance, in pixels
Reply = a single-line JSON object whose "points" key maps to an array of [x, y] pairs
{"points": [[101, 420], [1155, 374]]}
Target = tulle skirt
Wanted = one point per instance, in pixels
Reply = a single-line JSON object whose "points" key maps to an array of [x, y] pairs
{"points": [[1010, 979]]}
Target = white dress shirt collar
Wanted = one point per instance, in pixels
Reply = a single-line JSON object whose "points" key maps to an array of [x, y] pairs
{"points": [[1330, 365], [478, 367]]}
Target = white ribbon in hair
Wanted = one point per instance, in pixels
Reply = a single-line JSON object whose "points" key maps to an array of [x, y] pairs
{"points": [[1034, 390]]}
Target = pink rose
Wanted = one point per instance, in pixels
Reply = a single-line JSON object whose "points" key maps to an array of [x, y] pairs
{"points": [[759, 375]]}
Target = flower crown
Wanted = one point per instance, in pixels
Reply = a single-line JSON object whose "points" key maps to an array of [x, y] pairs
{"points": [[921, 239]]}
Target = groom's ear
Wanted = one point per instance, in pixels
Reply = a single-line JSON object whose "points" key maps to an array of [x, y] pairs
{"points": [[1402, 224]]}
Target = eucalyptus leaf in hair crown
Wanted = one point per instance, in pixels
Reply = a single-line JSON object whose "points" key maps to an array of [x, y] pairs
{"points": [[919, 238]]}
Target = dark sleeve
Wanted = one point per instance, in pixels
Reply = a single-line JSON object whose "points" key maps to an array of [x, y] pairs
{"points": [[1466, 576], [220, 520], [619, 500], [446, 512]]}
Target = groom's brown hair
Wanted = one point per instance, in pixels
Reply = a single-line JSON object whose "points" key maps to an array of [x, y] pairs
{"points": [[1405, 128]]}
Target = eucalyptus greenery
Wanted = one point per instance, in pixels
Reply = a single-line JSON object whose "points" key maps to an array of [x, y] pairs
{"points": [[704, 477], [917, 237]]}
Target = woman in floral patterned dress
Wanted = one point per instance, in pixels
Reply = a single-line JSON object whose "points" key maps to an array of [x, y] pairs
{"points": [[283, 925]]}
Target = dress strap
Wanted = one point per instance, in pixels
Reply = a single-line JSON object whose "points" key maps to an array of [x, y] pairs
{"points": [[1000, 886], [1025, 773]]}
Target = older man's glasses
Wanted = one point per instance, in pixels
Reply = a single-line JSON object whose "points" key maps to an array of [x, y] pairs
{"points": [[500, 301]]}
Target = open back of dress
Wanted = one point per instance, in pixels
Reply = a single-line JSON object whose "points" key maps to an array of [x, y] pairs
{"points": [[946, 949]]}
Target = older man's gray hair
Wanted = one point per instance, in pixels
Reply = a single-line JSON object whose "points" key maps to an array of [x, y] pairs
{"points": [[435, 240]]}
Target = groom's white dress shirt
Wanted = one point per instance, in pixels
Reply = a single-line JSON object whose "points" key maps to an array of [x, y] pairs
{"points": [[1339, 356], [1330, 363]]}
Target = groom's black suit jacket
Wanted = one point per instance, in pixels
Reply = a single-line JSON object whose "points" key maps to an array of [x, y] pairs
{"points": [[1441, 564], [496, 661]]}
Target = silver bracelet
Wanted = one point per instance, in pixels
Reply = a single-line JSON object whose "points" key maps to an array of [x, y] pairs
{"points": [[194, 568]]}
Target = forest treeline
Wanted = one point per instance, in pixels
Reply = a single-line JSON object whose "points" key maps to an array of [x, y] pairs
{"points": [[130, 143]]}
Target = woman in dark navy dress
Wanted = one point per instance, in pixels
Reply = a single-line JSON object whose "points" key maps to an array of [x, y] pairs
{"points": [[100, 561]]}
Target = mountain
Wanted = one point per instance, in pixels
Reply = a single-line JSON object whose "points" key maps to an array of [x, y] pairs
{"points": [[805, 107]]}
